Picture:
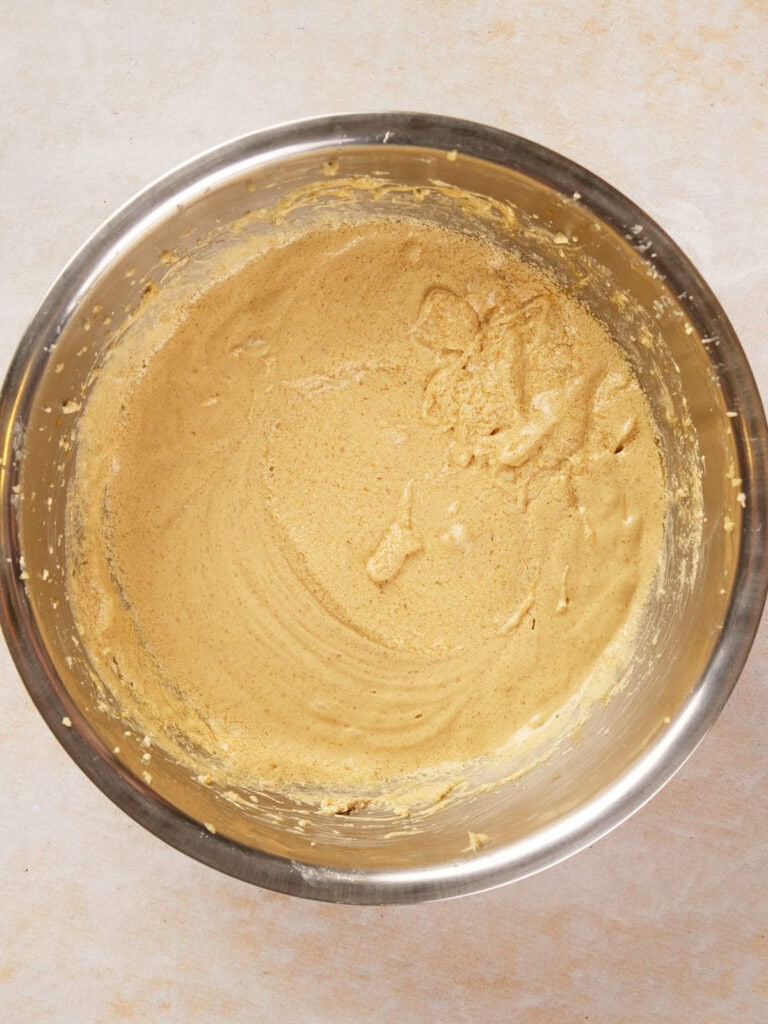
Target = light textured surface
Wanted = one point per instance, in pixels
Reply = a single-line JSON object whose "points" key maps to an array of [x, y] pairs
{"points": [[664, 920]]}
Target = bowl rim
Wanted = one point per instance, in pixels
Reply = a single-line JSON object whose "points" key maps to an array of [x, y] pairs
{"points": [[658, 762]]}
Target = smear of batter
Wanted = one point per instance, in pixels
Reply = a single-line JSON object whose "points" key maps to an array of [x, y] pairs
{"points": [[381, 499]]}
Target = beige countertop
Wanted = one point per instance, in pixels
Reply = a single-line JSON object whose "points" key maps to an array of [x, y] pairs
{"points": [[666, 919]]}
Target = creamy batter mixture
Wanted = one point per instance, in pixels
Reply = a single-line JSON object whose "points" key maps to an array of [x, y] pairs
{"points": [[381, 499]]}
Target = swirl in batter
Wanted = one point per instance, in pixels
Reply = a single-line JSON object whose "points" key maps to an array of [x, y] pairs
{"points": [[383, 498]]}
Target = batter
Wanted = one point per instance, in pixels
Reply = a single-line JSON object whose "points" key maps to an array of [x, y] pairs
{"points": [[382, 501]]}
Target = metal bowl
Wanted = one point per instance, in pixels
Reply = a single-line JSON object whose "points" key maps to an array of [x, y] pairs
{"points": [[712, 428]]}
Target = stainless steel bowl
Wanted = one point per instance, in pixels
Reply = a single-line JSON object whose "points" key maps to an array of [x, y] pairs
{"points": [[699, 630]]}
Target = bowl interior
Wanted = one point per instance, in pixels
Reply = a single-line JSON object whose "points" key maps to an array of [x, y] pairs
{"points": [[596, 776]]}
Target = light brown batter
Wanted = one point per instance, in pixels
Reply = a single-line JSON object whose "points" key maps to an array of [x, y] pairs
{"points": [[382, 500]]}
